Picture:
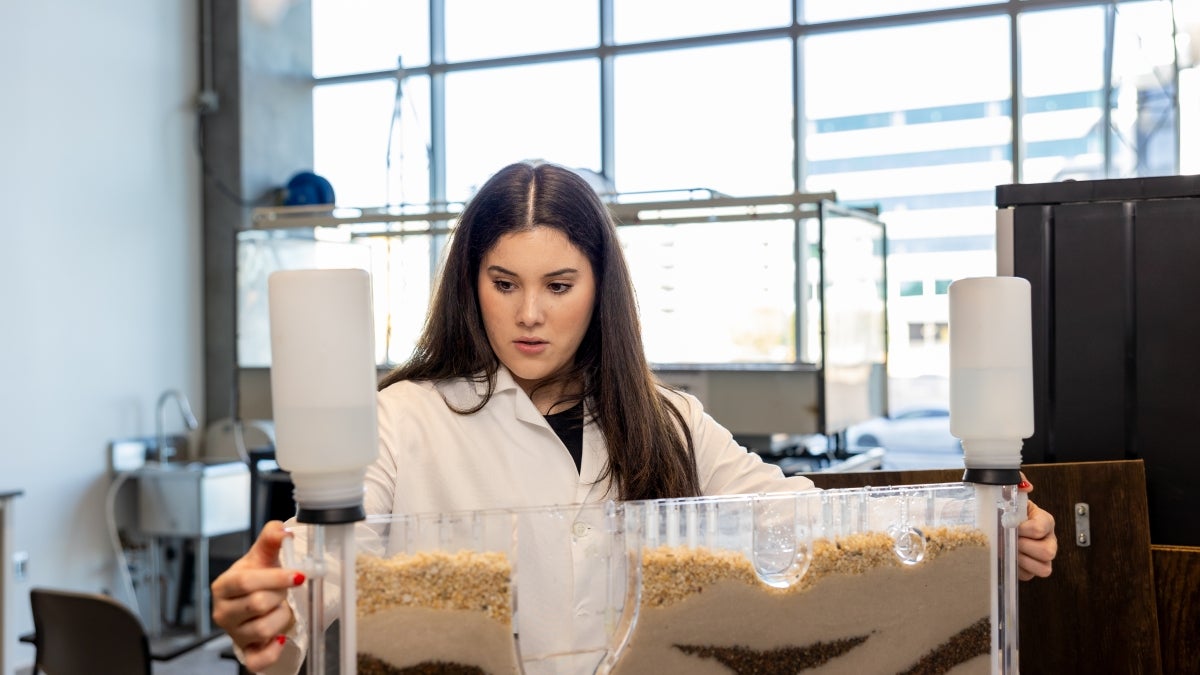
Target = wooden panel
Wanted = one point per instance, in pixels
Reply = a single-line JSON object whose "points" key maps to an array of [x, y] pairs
{"points": [[1096, 612], [1177, 586], [835, 481]]}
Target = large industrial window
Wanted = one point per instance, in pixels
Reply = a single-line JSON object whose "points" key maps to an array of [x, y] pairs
{"points": [[494, 117], [918, 108]]}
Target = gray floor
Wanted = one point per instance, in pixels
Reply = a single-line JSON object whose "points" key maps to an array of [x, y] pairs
{"points": [[200, 661], [204, 660]]}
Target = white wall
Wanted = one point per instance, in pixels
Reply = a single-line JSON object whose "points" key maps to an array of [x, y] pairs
{"points": [[100, 265]]}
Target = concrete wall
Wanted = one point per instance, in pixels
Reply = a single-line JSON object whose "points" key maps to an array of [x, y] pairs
{"points": [[100, 266]]}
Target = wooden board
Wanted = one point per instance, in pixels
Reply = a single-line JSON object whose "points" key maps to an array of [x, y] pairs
{"points": [[1177, 583]]}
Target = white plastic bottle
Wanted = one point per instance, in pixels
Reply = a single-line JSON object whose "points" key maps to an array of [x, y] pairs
{"points": [[323, 387], [991, 369]]}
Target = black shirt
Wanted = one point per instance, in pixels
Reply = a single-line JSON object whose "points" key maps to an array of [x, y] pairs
{"points": [[568, 424]]}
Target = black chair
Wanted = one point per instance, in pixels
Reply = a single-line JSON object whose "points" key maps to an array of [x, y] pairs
{"points": [[85, 634]]}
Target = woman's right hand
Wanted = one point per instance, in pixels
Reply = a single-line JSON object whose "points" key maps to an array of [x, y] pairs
{"points": [[250, 599]]}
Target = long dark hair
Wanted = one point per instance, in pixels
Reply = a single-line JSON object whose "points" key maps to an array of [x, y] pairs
{"points": [[650, 449]]}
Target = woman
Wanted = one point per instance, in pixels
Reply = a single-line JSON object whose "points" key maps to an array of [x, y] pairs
{"points": [[529, 386]]}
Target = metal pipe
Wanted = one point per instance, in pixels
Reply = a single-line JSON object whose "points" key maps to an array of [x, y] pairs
{"points": [[185, 411]]}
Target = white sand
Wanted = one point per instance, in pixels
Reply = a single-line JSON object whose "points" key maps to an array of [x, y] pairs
{"points": [[407, 636], [905, 612]]}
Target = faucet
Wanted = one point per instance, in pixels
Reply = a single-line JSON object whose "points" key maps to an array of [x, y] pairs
{"points": [[185, 410]]}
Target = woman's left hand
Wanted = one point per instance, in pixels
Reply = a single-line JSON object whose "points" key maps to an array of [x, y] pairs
{"points": [[1036, 543]]}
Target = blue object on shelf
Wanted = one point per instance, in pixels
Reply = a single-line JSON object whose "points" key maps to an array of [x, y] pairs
{"points": [[306, 188]]}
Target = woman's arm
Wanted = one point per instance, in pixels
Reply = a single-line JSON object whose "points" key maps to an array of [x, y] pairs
{"points": [[724, 467]]}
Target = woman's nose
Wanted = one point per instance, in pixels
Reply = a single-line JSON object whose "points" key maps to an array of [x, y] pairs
{"points": [[530, 311]]}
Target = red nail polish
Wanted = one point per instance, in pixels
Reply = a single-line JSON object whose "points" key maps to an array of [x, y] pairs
{"points": [[281, 639], [1024, 485], [297, 579]]}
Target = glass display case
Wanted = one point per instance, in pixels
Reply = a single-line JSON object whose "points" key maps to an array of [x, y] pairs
{"points": [[771, 309]]}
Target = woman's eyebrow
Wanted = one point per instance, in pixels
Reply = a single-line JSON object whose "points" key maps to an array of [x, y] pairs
{"points": [[556, 273]]}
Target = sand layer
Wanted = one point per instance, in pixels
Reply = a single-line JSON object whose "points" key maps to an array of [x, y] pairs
{"points": [[857, 610], [443, 641], [471, 580], [435, 613]]}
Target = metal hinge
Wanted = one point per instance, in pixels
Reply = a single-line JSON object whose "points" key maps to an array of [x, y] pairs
{"points": [[1083, 525]]}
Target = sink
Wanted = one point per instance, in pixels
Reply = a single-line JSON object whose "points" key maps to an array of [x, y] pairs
{"points": [[207, 466], [202, 498]]}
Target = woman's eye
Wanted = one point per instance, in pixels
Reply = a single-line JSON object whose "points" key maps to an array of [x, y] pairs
{"points": [[559, 287], [503, 285]]}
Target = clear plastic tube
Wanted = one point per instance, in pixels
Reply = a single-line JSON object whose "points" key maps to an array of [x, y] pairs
{"points": [[316, 600], [330, 556], [349, 639], [336, 541], [114, 536], [1001, 509]]}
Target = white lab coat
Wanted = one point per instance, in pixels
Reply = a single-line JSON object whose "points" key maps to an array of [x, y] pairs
{"points": [[434, 460]]}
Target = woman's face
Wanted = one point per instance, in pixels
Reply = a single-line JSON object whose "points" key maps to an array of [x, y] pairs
{"points": [[536, 292]]}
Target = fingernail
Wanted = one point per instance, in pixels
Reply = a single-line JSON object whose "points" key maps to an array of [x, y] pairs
{"points": [[281, 639], [297, 580], [1024, 484]]}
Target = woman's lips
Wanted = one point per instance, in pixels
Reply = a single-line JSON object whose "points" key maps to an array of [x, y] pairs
{"points": [[531, 347]]}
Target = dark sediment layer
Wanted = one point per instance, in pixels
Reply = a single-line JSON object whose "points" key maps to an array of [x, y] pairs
{"points": [[974, 640], [784, 661], [370, 665]]}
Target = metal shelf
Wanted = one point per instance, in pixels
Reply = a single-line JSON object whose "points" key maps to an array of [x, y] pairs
{"points": [[627, 210]]}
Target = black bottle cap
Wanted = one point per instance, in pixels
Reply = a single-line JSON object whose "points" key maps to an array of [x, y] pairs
{"points": [[332, 516], [993, 476]]}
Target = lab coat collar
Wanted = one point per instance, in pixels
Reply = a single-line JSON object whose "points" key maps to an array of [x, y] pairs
{"points": [[467, 393]]}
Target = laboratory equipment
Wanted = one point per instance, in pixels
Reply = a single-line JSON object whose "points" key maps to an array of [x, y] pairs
{"points": [[854, 581], [895, 579], [991, 410], [991, 375], [323, 386], [437, 590], [521, 590]]}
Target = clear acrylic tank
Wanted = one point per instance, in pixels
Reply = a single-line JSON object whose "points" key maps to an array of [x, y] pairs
{"points": [[489, 591], [907, 579], [436, 593], [873, 580]]}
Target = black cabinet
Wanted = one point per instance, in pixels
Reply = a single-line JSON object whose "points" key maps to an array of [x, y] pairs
{"points": [[1114, 267]]}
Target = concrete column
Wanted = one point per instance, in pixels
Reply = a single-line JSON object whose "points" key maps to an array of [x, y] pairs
{"points": [[256, 136]]}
